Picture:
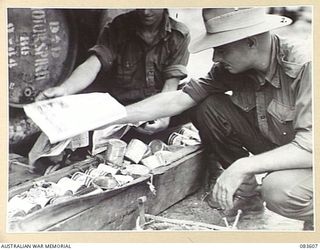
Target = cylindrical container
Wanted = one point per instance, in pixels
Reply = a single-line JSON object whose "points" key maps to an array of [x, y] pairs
{"points": [[123, 179], [190, 142], [125, 163], [19, 203], [82, 178], [147, 153], [135, 150], [174, 148], [137, 170], [107, 169], [60, 199], [94, 172], [42, 201], [181, 140], [105, 182], [163, 157], [152, 162], [157, 145], [176, 139], [115, 152], [189, 133], [70, 186], [54, 190], [16, 212], [42, 48]]}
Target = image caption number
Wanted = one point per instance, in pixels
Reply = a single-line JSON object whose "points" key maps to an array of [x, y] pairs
{"points": [[309, 246]]}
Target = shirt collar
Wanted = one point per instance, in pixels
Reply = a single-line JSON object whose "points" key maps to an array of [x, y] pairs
{"points": [[165, 26], [167, 23], [272, 74]]}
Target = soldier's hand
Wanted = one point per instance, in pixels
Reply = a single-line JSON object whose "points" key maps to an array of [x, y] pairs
{"points": [[51, 93], [229, 181], [154, 126]]}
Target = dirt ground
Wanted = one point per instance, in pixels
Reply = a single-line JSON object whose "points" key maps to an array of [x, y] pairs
{"points": [[193, 208]]}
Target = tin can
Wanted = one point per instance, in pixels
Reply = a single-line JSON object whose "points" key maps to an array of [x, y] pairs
{"points": [[115, 152], [135, 150], [70, 186], [125, 163], [189, 133], [174, 148], [164, 157], [108, 169], [190, 142], [181, 140], [157, 145], [60, 199], [22, 205], [152, 162], [82, 178], [94, 172], [123, 179], [137, 170], [147, 153], [42, 201], [105, 182], [16, 212], [176, 139]]}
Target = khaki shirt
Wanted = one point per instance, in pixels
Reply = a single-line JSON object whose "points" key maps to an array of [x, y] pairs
{"points": [[135, 70], [282, 100]]}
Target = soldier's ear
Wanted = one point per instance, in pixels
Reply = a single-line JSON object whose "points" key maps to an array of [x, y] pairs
{"points": [[252, 42]]}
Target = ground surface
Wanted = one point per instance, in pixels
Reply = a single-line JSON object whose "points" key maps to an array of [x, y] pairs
{"points": [[195, 209]]}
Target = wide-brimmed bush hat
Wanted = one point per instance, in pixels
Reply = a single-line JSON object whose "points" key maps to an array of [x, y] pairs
{"points": [[226, 25]]}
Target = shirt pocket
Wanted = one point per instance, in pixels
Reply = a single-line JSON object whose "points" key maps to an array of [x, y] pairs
{"points": [[281, 122], [244, 100], [127, 68]]}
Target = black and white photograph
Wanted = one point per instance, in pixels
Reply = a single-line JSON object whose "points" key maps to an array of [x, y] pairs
{"points": [[160, 119]]}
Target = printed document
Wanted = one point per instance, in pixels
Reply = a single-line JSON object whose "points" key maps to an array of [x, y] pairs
{"points": [[65, 117]]}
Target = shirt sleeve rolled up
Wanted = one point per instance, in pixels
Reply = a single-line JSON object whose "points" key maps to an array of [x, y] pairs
{"points": [[105, 47], [303, 119], [179, 58]]}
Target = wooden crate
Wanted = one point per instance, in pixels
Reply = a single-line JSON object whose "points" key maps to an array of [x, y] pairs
{"points": [[116, 209]]}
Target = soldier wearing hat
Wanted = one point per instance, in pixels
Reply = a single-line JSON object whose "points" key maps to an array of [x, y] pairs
{"points": [[264, 126]]}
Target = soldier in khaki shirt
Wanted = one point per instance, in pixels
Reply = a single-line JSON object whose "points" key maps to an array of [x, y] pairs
{"points": [[269, 113], [139, 54]]}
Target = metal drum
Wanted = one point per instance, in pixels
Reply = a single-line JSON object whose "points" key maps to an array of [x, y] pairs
{"points": [[42, 48]]}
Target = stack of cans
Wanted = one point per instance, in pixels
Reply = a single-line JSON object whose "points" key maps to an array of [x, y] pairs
{"points": [[122, 164]]}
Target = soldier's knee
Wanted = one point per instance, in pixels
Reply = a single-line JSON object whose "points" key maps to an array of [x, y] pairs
{"points": [[274, 193], [286, 197]]}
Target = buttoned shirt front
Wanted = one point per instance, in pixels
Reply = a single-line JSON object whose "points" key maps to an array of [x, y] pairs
{"points": [[281, 100], [134, 69]]}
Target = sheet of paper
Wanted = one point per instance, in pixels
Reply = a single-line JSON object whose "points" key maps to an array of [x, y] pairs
{"points": [[43, 148], [102, 135], [65, 117], [79, 141]]}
